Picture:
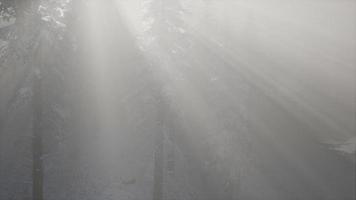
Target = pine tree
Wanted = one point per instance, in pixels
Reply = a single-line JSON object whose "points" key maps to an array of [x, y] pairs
{"points": [[29, 57], [167, 22], [7, 9]]}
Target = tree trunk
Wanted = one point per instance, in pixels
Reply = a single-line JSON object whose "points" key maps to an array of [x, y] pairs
{"points": [[158, 165], [37, 151]]}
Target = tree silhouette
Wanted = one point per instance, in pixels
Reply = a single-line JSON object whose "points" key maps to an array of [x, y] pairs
{"points": [[28, 55]]}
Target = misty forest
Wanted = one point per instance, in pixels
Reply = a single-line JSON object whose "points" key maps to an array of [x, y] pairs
{"points": [[177, 100]]}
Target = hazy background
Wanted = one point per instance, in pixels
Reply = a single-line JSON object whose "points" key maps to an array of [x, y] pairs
{"points": [[178, 99]]}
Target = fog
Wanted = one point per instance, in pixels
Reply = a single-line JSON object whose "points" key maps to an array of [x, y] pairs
{"points": [[177, 100]]}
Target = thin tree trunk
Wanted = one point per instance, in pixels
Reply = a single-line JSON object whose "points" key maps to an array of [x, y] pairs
{"points": [[158, 166], [37, 151]]}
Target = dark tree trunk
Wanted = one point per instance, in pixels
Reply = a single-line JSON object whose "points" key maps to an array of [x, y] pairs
{"points": [[37, 149], [158, 165]]}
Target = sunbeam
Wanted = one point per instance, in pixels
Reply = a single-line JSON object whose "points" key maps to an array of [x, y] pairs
{"points": [[177, 99]]}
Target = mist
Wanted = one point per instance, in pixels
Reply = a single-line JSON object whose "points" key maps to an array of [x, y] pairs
{"points": [[177, 100]]}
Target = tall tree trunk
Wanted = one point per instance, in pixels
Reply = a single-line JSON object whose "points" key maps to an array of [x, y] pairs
{"points": [[158, 165], [37, 150]]}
